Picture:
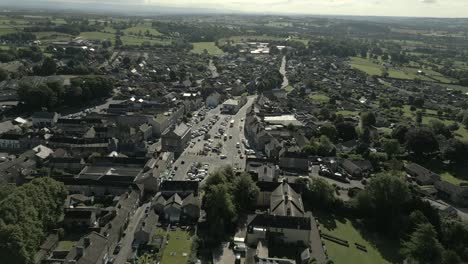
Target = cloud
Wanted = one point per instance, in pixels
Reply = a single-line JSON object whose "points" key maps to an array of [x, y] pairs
{"points": [[428, 1]]}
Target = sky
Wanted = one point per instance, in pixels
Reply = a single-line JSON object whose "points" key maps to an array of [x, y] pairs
{"points": [[416, 8]]}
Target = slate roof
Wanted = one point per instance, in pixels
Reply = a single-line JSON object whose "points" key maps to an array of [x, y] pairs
{"points": [[277, 221]]}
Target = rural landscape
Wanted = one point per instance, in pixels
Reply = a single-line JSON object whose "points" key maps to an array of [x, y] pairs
{"points": [[229, 138]]}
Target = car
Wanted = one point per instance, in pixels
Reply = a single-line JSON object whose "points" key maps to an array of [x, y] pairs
{"points": [[239, 151], [222, 156], [237, 145], [230, 136], [117, 248]]}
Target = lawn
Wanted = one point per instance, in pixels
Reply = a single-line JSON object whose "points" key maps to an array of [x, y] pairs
{"points": [[65, 245], [288, 88], [321, 98], [347, 113], [210, 47], [142, 29], [94, 35], [179, 243], [447, 176], [366, 66], [378, 250]]}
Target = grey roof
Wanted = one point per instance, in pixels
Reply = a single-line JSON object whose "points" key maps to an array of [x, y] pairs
{"points": [[91, 253], [44, 115], [278, 221], [181, 130], [285, 201]]}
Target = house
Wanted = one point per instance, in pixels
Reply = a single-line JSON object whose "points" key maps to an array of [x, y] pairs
{"points": [[213, 100], [232, 106], [451, 192], [262, 170], [294, 161], [44, 119], [176, 139], [421, 175], [67, 164], [91, 249], [285, 201], [42, 152], [177, 208], [146, 226], [267, 188], [84, 217], [178, 201], [288, 229], [262, 255], [10, 142]]}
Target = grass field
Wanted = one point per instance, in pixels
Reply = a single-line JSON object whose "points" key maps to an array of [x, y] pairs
{"points": [[366, 66], [347, 113], [378, 250], [266, 38], [94, 35], [210, 47], [180, 243], [288, 88], [143, 29], [65, 245], [321, 98], [447, 176]]}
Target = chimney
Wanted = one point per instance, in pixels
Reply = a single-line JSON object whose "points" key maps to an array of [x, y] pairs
{"points": [[79, 252], [87, 242]]}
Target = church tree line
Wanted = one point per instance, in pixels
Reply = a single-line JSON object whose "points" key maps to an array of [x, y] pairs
{"points": [[26, 215]]}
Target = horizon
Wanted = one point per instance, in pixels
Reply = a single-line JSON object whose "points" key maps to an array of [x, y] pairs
{"points": [[353, 8]]}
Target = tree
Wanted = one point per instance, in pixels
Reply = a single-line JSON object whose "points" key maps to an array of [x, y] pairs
{"points": [[455, 151], [440, 128], [465, 120], [319, 194], [450, 257], [383, 201], [329, 130], [220, 211], [423, 246], [391, 147], [49, 67], [368, 119], [399, 133], [3, 75], [326, 147], [421, 141], [346, 131], [245, 193]]}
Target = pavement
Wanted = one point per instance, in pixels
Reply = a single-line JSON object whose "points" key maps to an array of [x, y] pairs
{"points": [[229, 149], [126, 242]]}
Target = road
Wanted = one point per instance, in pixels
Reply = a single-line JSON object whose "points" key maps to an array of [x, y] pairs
{"points": [[126, 241], [229, 149], [282, 70]]}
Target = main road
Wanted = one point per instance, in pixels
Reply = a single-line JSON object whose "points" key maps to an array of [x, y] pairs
{"points": [[229, 147]]}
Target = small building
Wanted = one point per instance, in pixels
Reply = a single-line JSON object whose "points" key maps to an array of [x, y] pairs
{"points": [[213, 100], [44, 119], [146, 226], [176, 139], [453, 193], [421, 175]]}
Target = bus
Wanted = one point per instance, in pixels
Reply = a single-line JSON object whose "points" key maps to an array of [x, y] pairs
{"points": [[232, 123]]}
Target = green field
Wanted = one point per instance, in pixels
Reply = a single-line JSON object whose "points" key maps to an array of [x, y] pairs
{"points": [[210, 47], [366, 66], [179, 243], [321, 98], [65, 245], [143, 29], [347, 113], [94, 35], [288, 88], [378, 250], [447, 176]]}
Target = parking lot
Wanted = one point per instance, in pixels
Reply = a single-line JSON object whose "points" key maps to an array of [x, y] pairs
{"points": [[216, 142]]}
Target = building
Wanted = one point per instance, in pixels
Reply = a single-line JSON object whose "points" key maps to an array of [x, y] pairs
{"points": [[10, 142], [285, 201], [44, 119], [451, 192], [288, 229], [213, 100], [421, 175], [176, 139], [232, 106], [146, 226]]}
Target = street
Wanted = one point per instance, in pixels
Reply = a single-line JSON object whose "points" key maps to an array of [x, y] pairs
{"points": [[229, 148], [126, 241]]}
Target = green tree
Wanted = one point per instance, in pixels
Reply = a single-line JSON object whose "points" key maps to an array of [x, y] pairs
{"points": [[3, 75], [320, 194], [368, 119], [329, 130], [423, 246], [421, 141], [220, 211], [391, 147], [245, 193]]}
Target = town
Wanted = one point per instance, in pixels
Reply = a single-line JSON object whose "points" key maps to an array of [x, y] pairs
{"points": [[232, 139]]}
